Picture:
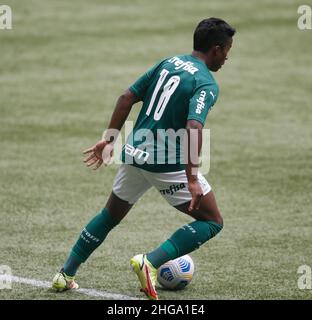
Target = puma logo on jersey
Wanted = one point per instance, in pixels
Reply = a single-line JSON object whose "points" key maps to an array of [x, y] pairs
{"points": [[185, 65], [132, 151], [200, 102], [213, 95]]}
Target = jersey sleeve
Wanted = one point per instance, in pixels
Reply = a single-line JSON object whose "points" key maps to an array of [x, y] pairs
{"points": [[205, 96], [140, 86]]}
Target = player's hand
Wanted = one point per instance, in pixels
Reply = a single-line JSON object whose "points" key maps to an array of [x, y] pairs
{"points": [[99, 154], [197, 193]]}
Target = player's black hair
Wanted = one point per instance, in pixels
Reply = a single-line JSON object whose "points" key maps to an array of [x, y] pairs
{"points": [[210, 32]]}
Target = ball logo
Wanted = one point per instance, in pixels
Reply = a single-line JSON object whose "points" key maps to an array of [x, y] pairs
{"points": [[176, 274], [185, 265], [166, 274]]}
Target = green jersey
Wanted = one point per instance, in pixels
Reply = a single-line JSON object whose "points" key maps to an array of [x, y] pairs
{"points": [[175, 90]]}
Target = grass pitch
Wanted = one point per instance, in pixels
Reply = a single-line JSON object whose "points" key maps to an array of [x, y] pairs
{"points": [[62, 67]]}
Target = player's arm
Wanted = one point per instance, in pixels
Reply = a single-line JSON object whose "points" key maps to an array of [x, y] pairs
{"points": [[203, 99], [104, 147], [119, 116], [194, 145]]}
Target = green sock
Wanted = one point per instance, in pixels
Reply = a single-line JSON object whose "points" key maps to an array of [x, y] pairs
{"points": [[90, 238], [71, 265], [183, 241]]}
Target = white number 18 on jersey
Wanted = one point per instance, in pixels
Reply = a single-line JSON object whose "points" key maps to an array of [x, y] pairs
{"points": [[168, 89]]}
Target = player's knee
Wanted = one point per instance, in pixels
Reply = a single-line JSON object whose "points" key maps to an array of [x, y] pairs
{"points": [[214, 224], [214, 217], [219, 220], [212, 228]]}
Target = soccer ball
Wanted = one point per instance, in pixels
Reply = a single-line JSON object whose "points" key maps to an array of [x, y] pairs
{"points": [[176, 274]]}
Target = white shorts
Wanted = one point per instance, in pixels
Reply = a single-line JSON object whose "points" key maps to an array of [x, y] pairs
{"points": [[131, 183]]}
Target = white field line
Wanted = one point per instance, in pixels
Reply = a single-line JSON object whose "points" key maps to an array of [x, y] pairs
{"points": [[87, 292]]}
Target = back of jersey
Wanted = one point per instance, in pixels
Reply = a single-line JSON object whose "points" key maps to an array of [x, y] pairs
{"points": [[175, 90]]}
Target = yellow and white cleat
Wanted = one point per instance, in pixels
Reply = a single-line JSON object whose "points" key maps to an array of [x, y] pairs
{"points": [[62, 282], [147, 275]]}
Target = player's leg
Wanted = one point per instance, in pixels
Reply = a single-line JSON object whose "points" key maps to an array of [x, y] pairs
{"points": [[95, 232], [208, 221], [90, 238], [128, 187]]}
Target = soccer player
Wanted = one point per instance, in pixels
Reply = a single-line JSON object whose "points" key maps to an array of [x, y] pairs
{"points": [[177, 93]]}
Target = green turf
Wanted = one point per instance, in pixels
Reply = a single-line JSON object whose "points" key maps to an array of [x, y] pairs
{"points": [[62, 68]]}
